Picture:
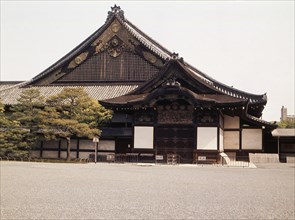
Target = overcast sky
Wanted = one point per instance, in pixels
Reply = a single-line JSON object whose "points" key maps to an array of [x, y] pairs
{"points": [[247, 45]]}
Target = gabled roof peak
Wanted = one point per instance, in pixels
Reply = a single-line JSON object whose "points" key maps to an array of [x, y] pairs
{"points": [[116, 10]]}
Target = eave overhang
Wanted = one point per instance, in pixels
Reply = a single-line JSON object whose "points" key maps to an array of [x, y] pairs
{"points": [[258, 122], [195, 77], [173, 92]]}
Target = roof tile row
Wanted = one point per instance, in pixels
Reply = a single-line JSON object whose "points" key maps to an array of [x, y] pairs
{"points": [[99, 92]]}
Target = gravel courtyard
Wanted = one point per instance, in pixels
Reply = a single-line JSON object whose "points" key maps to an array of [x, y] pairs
{"points": [[128, 191]]}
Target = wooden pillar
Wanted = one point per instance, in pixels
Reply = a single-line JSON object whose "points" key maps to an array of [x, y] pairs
{"points": [[41, 149], [78, 148], [59, 148], [218, 138], [279, 147]]}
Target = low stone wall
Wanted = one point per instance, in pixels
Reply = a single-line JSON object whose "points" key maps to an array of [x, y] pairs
{"points": [[291, 159], [263, 158]]}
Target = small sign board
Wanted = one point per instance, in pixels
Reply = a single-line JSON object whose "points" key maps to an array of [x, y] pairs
{"points": [[95, 140], [202, 158], [159, 157]]}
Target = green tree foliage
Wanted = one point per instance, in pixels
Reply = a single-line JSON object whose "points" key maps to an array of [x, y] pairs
{"points": [[287, 124], [26, 111], [28, 114], [72, 113], [12, 137]]}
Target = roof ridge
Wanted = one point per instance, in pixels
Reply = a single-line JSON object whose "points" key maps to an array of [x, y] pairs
{"points": [[147, 41], [148, 37], [72, 53], [119, 13], [14, 85]]}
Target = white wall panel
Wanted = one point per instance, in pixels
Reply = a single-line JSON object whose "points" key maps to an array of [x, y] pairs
{"points": [[53, 144], [220, 139], [84, 155], [50, 154], [252, 139], [207, 138], [231, 140], [63, 144], [106, 145], [144, 137], [102, 145], [231, 122], [63, 155], [86, 144]]}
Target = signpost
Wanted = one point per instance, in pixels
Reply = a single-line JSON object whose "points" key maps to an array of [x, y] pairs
{"points": [[95, 141]]}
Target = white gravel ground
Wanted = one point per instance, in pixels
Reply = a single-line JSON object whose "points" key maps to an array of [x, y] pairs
{"points": [[126, 191]]}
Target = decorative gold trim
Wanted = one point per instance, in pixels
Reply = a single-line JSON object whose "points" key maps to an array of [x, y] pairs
{"points": [[115, 27], [149, 57], [78, 60]]}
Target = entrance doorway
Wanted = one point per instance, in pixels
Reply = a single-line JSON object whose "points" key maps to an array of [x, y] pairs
{"points": [[176, 140], [123, 145]]}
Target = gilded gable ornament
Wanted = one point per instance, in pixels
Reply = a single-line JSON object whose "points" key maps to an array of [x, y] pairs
{"points": [[150, 57], [115, 46], [78, 60], [115, 27], [172, 82], [99, 46], [115, 52]]}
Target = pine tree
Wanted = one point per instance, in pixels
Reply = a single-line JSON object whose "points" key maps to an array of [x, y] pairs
{"points": [[12, 137], [27, 112], [72, 113]]}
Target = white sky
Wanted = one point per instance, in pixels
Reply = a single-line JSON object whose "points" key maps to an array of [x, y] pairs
{"points": [[248, 45]]}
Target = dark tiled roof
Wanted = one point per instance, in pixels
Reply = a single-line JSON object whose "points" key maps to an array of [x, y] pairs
{"points": [[153, 46], [98, 92], [227, 90], [156, 48], [141, 98], [259, 121], [143, 38]]}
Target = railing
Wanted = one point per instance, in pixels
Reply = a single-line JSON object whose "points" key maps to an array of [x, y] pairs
{"points": [[173, 159], [227, 161], [129, 157]]}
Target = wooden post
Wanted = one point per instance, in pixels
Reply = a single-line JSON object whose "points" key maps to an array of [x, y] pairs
{"points": [[279, 147], [95, 154], [95, 141]]}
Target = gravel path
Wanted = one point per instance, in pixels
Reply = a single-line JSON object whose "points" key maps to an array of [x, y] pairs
{"points": [[126, 191]]}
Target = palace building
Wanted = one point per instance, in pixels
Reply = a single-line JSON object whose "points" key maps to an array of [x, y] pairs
{"points": [[162, 105]]}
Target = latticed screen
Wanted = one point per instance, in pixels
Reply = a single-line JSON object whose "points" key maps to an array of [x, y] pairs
{"points": [[103, 67]]}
